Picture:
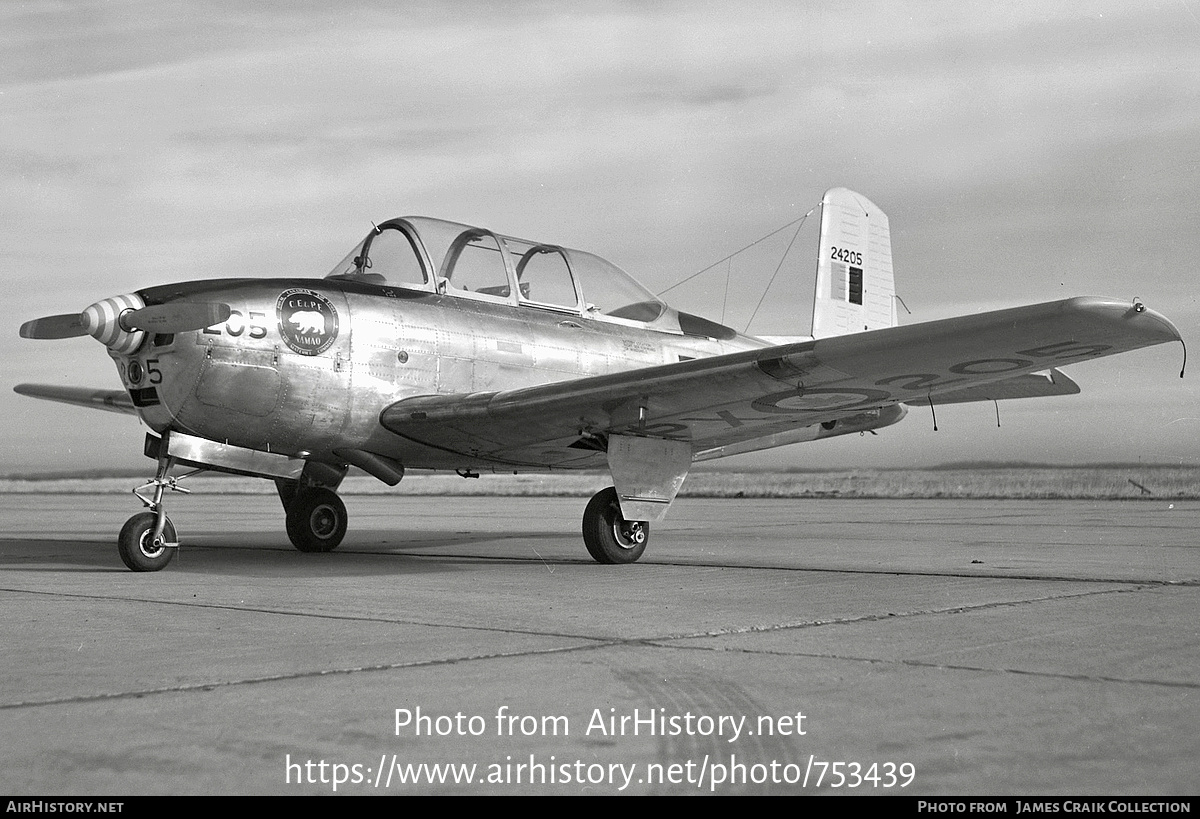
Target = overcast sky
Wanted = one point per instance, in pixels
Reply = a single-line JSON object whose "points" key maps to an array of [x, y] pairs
{"points": [[1024, 152]]}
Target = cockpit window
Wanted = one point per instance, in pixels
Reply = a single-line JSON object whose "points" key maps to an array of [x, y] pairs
{"points": [[610, 291], [350, 266], [475, 263], [388, 255], [393, 256], [543, 275]]}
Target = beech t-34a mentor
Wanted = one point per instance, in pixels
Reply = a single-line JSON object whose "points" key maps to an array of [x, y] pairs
{"points": [[436, 345]]}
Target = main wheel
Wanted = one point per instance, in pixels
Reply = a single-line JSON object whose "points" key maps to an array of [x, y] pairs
{"points": [[139, 551], [316, 520], [608, 536]]}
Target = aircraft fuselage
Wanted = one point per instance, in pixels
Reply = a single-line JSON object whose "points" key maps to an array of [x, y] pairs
{"points": [[305, 366]]}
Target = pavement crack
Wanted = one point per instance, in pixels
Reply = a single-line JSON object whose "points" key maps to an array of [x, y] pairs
{"points": [[297, 675], [875, 617], [1058, 675], [282, 612]]}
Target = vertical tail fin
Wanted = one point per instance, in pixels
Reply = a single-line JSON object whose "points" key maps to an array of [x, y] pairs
{"points": [[855, 289]]}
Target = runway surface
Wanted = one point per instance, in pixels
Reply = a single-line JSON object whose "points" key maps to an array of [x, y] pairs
{"points": [[932, 647]]}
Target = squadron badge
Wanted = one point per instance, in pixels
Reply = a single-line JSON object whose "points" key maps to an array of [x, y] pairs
{"points": [[308, 322]]}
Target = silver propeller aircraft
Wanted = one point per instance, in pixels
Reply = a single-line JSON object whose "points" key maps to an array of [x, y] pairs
{"points": [[436, 345]]}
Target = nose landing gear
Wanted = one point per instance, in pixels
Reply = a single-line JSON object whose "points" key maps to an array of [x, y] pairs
{"points": [[148, 542]]}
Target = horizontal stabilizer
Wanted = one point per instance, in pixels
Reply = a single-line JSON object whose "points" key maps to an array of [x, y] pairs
{"points": [[108, 400]]}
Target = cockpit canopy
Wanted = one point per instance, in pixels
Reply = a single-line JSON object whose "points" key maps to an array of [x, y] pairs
{"points": [[474, 263]]}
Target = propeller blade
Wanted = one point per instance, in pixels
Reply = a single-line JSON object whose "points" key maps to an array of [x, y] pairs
{"points": [[68, 325], [176, 316]]}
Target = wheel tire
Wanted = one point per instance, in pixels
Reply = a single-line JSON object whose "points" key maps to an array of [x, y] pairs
{"points": [[137, 552], [316, 520], [608, 536]]}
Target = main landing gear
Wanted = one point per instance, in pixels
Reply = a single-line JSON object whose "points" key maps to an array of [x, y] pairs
{"points": [[316, 520], [316, 516], [608, 536]]}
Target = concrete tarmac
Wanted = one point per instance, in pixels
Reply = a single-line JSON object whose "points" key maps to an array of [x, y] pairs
{"points": [[469, 645]]}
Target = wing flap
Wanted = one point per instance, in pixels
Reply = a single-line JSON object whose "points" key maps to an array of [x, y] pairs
{"points": [[1034, 385], [740, 396], [108, 400]]}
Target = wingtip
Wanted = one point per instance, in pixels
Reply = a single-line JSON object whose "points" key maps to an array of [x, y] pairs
{"points": [[88, 397], [1131, 312]]}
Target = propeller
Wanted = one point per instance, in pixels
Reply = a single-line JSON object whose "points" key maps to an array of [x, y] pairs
{"points": [[120, 323], [176, 316], [68, 325]]}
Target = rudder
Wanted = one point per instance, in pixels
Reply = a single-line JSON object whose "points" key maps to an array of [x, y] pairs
{"points": [[855, 289]]}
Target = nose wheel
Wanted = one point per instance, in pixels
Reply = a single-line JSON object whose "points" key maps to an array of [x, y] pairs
{"points": [[143, 548], [147, 542], [608, 536]]}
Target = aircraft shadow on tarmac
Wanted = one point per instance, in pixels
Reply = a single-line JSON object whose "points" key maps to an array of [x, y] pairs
{"points": [[367, 553]]}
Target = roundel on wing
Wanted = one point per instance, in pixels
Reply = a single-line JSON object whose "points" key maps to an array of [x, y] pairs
{"points": [[824, 399], [308, 322]]}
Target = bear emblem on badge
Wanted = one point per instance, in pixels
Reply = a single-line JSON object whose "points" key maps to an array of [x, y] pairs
{"points": [[308, 322]]}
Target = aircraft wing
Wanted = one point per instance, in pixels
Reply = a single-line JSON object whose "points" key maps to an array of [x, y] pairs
{"points": [[109, 400], [712, 402]]}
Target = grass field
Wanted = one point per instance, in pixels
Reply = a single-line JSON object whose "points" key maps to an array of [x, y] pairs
{"points": [[1091, 482]]}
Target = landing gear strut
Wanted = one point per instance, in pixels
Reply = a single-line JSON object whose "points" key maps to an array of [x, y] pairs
{"points": [[608, 536], [147, 542]]}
